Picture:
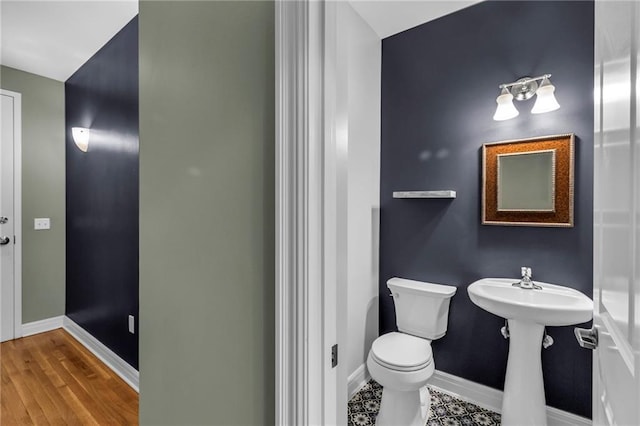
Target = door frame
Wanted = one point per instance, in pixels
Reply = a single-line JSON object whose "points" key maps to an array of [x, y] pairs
{"points": [[17, 210], [305, 305]]}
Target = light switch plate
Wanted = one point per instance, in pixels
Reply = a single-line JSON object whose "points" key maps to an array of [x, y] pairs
{"points": [[41, 223], [132, 324]]}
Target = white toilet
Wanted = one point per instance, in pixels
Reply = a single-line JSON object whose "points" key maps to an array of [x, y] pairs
{"points": [[402, 362]]}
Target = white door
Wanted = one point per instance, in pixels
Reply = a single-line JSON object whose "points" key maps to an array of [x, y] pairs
{"points": [[616, 368], [10, 125]]}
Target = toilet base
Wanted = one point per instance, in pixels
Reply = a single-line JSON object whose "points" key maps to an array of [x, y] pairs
{"points": [[406, 408]]}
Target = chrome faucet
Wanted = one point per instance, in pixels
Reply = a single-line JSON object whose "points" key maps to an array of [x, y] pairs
{"points": [[526, 283]]}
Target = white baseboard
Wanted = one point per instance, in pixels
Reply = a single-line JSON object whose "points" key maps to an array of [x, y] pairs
{"points": [[42, 326], [557, 417], [104, 354], [491, 398], [357, 380], [480, 395]]}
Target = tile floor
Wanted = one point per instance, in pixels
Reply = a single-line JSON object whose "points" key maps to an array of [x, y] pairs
{"points": [[445, 409]]}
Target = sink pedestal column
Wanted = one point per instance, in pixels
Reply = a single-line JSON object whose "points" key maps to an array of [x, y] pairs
{"points": [[523, 403]]}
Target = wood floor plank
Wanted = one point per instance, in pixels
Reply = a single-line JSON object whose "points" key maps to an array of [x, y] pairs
{"points": [[86, 404], [50, 378], [40, 386], [12, 406], [56, 407], [28, 399], [78, 409]]}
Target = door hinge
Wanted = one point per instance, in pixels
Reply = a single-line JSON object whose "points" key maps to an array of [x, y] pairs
{"points": [[334, 355]]}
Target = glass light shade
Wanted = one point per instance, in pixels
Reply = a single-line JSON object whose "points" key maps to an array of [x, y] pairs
{"points": [[545, 100], [506, 109], [81, 138]]}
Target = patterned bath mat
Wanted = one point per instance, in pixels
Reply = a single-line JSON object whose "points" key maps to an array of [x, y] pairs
{"points": [[446, 410]]}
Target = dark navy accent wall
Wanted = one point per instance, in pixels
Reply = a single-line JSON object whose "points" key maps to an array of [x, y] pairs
{"points": [[439, 85], [102, 194]]}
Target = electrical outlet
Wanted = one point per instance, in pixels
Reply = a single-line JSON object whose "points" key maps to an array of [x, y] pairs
{"points": [[132, 324], [41, 223]]}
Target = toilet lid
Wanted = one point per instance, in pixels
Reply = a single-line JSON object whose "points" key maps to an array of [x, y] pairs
{"points": [[399, 351]]}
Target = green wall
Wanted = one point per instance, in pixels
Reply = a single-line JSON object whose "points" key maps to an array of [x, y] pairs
{"points": [[206, 213], [43, 162]]}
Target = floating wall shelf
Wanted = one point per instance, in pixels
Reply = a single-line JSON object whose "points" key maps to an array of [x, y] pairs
{"points": [[424, 194]]}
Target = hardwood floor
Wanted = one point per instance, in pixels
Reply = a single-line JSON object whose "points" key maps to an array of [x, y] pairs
{"points": [[50, 378]]}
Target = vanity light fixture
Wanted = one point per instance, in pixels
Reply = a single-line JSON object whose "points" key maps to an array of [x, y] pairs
{"points": [[524, 89], [81, 137]]}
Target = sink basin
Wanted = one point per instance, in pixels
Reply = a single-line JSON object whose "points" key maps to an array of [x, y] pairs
{"points": [[554, 305], [527, 313]]}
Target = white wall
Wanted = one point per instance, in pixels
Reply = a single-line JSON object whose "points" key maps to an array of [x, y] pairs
{"points": [[359, 63]]}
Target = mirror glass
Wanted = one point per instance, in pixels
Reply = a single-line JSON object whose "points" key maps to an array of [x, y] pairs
{"points": [[526, 181]]}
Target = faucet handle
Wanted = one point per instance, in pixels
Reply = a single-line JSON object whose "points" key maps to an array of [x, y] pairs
{"points": [[525, 271]]}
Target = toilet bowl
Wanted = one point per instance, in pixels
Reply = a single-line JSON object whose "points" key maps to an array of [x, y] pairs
{"points": [[402, 362]]}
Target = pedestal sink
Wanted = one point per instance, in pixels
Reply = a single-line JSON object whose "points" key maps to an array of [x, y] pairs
{"points": [[528, 311]]}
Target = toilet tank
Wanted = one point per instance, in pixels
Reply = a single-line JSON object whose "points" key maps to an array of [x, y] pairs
{"points": [[422, 309]]}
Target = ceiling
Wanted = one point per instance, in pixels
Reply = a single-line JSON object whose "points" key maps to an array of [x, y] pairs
{"points": [[388, 17], [54, 38]]}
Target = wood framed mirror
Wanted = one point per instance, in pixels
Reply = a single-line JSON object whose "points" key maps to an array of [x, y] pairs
{"points": [[528, 182]]}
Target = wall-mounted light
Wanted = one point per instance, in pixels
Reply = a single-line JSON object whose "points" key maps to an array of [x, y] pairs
{"points": [[81, 137], [524, 89]]}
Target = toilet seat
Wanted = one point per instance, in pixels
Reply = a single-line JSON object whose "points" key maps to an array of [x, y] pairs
{"points": [[402, 352]]}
